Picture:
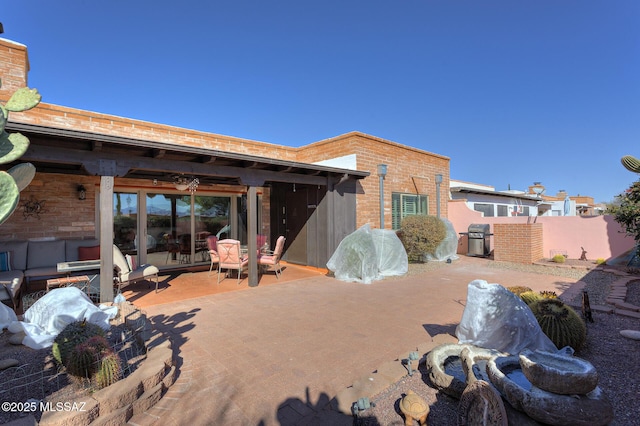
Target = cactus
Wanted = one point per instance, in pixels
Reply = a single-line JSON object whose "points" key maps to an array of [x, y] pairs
{"points": [[12, 147], [529, 297], [560, 323], [72, 335], [631, 163], [110, 370], [83, 359], [548, 294], [518, 289]]}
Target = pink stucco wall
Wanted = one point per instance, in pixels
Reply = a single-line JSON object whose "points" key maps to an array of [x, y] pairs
{"points": [[601, 236]]}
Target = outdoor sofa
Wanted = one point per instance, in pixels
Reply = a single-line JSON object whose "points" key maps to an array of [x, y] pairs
{"points": [[22, 261]]}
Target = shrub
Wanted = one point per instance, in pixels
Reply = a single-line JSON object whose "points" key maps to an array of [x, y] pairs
{"points": [[600, 261], [421, 235], [559, 258]]}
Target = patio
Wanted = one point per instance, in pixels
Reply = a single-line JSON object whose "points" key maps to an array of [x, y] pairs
{"points": [[278, 354], [176, 286]]}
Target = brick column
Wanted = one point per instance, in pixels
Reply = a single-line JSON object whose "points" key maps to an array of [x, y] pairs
{"points": [[518, 242]]}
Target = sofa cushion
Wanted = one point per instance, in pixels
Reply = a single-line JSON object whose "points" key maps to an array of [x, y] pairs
{"points": [[45, 253], [5, 261], [18, 255], [72, 253], [88, 253]]}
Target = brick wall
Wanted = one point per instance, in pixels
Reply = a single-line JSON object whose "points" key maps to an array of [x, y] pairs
{"points": [[14, 66], [409, 170], [517, 242], [62, 214]]}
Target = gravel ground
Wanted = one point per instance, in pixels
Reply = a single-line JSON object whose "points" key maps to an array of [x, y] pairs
{"points": [[615, 358]]}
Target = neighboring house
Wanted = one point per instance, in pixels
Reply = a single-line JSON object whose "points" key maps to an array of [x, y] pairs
{"points": [[533, 202], [492, 203], [563, 204], [123, 180]]}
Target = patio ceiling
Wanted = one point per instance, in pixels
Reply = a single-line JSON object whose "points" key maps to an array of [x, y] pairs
{"points": [[54, 150]]}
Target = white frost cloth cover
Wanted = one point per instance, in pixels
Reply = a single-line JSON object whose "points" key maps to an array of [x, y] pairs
{"points": [[7, 316], [366, 255], [496, 318], [50, 314]]}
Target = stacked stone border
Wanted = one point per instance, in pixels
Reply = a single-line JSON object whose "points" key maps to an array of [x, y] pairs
{"points": [[127, 399]]}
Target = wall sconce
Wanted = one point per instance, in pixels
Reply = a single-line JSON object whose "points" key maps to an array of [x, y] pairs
{"points": [[82, 192]]}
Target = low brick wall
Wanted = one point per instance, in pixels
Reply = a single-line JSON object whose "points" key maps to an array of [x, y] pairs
{"points": [[517, 242]]}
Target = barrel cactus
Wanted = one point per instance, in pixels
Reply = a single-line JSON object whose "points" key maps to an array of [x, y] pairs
{"points": [[109, 371], [71, 336], [84, 358], [529, 297], [560, 323], [631, 163], [12, 147]]}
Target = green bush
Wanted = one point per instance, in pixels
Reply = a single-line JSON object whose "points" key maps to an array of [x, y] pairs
{"points": [[421, 235], [600, 261], [558, 258]]}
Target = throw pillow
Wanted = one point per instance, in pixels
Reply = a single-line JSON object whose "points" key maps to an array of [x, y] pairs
{"points": [[89, 253], [131, 261], [5, 261]]}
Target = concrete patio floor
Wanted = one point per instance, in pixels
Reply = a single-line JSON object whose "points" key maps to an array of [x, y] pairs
{"points": [[277, 354]]}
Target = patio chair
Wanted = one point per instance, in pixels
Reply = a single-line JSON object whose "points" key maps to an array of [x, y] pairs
{"points": [[273, 258], [212, 244], [230, 258], [124, 274]]}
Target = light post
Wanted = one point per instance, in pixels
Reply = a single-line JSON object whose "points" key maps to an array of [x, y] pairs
{"points": [[382, 172], [438, 182]]}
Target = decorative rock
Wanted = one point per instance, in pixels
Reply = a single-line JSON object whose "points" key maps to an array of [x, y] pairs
{"points": [[482, 405], [414, 408], [631, 334], [592, 409], [436, 364], [558, 373], [16, 339], [8, 363]]}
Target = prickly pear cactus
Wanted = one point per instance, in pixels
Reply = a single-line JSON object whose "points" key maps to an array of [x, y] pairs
{"points": [[631, 163], [12, 147], [560, 323]]}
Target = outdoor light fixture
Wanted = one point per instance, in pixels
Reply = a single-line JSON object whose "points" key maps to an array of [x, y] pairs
{"points": [[438, 182], [82, 192], [382, 172], [183, 183]]}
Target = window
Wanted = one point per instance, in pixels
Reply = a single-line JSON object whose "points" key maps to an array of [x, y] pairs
{"points": [[487, 209], [503, 210], [403, 205]]}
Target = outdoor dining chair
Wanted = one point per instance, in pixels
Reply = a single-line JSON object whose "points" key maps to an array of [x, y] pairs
{"points": [[230, 257], [212, 244], [273, 258]]}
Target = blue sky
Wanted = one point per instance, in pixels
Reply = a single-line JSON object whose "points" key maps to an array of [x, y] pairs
{"points": [[512, 91]]}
